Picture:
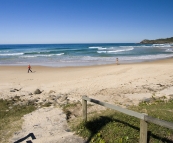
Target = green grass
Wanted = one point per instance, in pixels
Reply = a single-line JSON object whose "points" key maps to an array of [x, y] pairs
{"points": [[10, 118], [115, 127], [66, 108], [48, 104], [108, 126]]}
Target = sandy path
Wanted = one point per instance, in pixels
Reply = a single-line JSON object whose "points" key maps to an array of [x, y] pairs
{"points": [[48, 125]]}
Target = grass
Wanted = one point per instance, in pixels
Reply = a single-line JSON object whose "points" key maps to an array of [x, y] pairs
{"points": [[114, 127], [48, 104], [10, 118], [66, 108], [107, 126]]}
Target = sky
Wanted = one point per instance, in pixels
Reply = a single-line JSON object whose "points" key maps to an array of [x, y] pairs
{"points": [[84, 21]]}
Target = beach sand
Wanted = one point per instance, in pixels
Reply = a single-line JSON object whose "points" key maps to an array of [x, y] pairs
{"points": [[101, 82], [124, 84]]}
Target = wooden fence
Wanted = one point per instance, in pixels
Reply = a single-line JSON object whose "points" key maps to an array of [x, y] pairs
{"points": [[144, 118]]}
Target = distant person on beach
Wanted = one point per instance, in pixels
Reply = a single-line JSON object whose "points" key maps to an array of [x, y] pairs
{"points": [[117, 61], [29, 68]]}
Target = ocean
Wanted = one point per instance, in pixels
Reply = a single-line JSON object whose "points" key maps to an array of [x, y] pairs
{"points": [[62, 55]]}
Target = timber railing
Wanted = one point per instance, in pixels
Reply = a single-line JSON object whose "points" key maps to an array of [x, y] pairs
{"points": [[144, 118]]}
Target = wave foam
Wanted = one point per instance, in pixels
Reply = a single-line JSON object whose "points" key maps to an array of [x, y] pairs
{"points": [[161, 45], [116, 51], [102, 48], [59, 54], [33, 56], [146, 57], [101, 52], [126, 46], [169, 50], [12, 54], [94, 47]]}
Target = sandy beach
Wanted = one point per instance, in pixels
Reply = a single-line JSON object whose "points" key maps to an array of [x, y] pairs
{"points": [[104, 82], [124, 84]]}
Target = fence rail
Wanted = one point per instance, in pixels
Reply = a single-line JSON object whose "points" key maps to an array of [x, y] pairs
{"points": [[144, 118]]}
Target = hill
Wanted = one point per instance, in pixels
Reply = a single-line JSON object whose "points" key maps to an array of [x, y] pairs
{"points": [[157, 41]]}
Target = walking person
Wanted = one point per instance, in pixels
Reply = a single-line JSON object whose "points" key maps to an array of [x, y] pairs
{"points": [[29, 68], [117, 61]]}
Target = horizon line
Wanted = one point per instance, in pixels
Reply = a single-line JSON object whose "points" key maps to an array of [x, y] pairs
{"points": [[69, 43]]}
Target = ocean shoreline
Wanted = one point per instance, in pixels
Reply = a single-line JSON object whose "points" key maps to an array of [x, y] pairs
{"points": [[67, 55], [109, 64]]}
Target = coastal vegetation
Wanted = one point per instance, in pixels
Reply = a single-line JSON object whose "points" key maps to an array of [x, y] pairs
{"points": [[10, 118], [102, 126], [158, 41], [115, 127]]}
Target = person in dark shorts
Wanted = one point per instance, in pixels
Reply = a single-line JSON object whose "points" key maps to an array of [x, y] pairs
{"points": [[29, 68]]}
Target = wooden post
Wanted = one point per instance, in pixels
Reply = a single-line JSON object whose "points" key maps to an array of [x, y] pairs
{"points": [[144, 118], [84, 107], [143, 131]]}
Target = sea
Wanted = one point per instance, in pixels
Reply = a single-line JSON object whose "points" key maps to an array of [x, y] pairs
{"points": [[63, 55]]}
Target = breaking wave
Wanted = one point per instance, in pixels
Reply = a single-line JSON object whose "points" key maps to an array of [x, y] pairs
{"points": [[12, 54]]}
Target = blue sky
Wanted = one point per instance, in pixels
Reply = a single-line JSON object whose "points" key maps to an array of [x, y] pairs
{"points": [[84, 21]]}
